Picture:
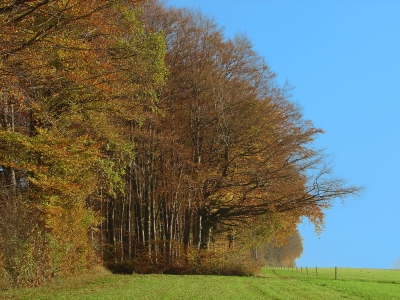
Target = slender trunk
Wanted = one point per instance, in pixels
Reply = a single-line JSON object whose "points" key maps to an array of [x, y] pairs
{"points": [[114, 240], [195, 227], [171, 227], [154, 227], [107, 220], [130, 187], [101, 226], [231, 239], [148, 229], [187, 223], [254, 253], [139, 223], [137, 227], [110, 218], [205, 238], [11, 182], [108, 223], [130, 220], [121, 231], [165, 228], [200, 229]]}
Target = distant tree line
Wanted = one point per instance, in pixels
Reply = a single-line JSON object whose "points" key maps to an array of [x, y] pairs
{"points": [[133, 132]]}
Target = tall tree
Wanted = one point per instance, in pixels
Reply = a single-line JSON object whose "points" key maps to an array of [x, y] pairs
{"points": [[227, 149], [73, 76], [277, 255], [246, 149]]}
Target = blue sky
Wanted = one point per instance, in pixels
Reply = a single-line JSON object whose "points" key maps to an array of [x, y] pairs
{"points": [[343, 58]]}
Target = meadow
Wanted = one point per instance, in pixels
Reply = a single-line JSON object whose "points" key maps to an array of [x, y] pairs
{"points": [[271, 284]]}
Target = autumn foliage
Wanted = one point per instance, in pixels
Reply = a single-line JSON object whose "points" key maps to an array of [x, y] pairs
{"points": [[137, 135]]}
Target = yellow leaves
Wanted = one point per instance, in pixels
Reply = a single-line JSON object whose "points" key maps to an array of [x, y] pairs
{"points": [[227, 197], [64, 185], [67, 226], [65, 219], [73, 96], [57, 165]]}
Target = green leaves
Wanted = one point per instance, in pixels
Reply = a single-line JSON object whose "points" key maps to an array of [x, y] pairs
{"points": [[73, 78]]}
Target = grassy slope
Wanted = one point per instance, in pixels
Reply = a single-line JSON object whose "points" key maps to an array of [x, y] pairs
{"points": [[276, 284]]}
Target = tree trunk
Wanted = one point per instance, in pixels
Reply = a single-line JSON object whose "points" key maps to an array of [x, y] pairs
{"points": [[121, 230], [187, 224], [130, 220], [205, 238]]}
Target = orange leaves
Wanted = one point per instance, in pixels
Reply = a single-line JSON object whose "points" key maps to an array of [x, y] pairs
{"points": [[85, 105], [244, 146], [71, 250], [73, 76]]}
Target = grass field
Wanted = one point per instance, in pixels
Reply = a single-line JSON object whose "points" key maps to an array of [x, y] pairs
{"points": [[272, 284]]}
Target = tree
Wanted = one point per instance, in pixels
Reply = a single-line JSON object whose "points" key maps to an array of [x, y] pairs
{"points": [[68, 81], [228, 150], [104, 150], [396, 263], [250, 150], [286, 254]]}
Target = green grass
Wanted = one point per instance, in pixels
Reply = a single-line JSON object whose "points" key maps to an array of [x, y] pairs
{"points": [[272, 284], [350, 283]]}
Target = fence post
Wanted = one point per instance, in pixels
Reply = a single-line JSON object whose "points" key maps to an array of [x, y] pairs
{"points": [[335, 273], [301, 270], [307, 270], [316, 271]]}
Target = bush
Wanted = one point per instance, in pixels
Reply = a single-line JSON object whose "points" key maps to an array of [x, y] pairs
{"points": [[233, 264], [190, 261], [126, 267]]}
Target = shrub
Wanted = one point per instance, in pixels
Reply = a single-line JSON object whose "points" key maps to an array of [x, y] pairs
{"points": [[231, 264], [190, 261]]}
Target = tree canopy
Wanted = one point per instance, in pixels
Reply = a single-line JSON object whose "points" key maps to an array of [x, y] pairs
{"points": [[134, 132]]}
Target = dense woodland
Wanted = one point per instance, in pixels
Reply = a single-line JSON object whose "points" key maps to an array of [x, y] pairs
{"points": [[132, 132]]}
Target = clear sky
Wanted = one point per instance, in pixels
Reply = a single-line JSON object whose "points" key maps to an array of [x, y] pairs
{"points": [[343, 57]]}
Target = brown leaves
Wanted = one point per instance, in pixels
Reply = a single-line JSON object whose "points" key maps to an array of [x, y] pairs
{"points": [[73, 75], [247, 148]]}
